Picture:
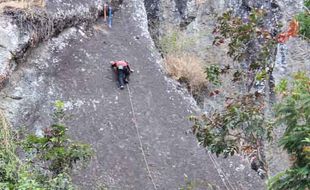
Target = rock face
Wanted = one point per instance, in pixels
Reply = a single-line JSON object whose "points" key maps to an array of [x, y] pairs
{"points": [[10, 41], [150, 115], [197, 18], [21, 30]]}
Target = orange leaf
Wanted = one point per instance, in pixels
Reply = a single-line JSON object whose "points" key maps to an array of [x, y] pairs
{"points": [[291, 32]]}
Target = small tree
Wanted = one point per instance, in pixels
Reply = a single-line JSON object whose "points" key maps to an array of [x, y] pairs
{"points": [[293, 112], [304, 21], [55, 150], [240, 126], [48, 159]]}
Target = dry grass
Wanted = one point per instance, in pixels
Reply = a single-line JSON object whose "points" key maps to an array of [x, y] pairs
{"points": [[5, 128], [188, 69], [21, 4]]}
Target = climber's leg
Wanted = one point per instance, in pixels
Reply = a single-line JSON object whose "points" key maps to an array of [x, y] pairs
{"points": [[121, 76]]}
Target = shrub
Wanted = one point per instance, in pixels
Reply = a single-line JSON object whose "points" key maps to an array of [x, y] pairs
{"points": [[180, 63], [48, 159], [175, 42], [304, 22], [213, 74], [188, 69], [55, 150], [293, 112]]}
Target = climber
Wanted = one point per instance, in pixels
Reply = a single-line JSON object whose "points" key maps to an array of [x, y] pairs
{"points": [[123, 71]]}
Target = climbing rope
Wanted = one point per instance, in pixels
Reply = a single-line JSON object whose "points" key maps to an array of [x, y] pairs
{"points": [[221, 173], [139, 137], [216, 165]]}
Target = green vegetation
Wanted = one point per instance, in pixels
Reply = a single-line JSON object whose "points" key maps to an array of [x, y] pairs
{"points": [[174, 42], [213, 74], [180, 64], [48, 159], [246, 122], [241, 120], [304, 21], [240, 127], [293, 112], [246, 36]]}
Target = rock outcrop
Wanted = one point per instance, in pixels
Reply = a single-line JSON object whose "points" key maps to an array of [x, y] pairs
{"points": [[198, 18], [74, 67], [23, 29], [64, 53]]}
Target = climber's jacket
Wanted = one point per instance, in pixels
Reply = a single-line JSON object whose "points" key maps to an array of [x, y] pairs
{"points": [[119, 64], [123, 71]]}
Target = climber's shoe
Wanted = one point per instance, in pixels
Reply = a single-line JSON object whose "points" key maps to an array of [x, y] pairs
{"points": [[121, 87]]}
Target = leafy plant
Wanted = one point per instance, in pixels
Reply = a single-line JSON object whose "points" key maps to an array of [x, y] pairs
{"points": [[213, 74], [48, 160], [282, 86], [57, 152], [241, 126], [14, 174], [175, 42], [293, 112], [250, 43], [249, 40], [241, 121], [304, 21], [307, 4]]}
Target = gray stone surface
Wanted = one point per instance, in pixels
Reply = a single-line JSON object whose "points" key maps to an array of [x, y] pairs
{"points": [[165, 17], [74, 67], [21, 30]]}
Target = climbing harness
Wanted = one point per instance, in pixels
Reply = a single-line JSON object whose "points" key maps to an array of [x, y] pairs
{"points": [[139, 137]]}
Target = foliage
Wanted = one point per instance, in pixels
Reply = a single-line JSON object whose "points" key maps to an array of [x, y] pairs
{"points": [[240, 127], [175, 42], [48, 160], [249, 41], [187, 69], [57, 152], [241, 121], [307, 4], [213, 74], [293, 112], [14, 174], [304, 21]]}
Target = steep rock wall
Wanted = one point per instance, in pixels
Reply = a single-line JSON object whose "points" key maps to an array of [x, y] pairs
{"points": [[23, 29], [293, 56], [74, 67]]}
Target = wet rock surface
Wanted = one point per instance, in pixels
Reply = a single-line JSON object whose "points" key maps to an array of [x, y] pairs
{"points": [[74, 67]]}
